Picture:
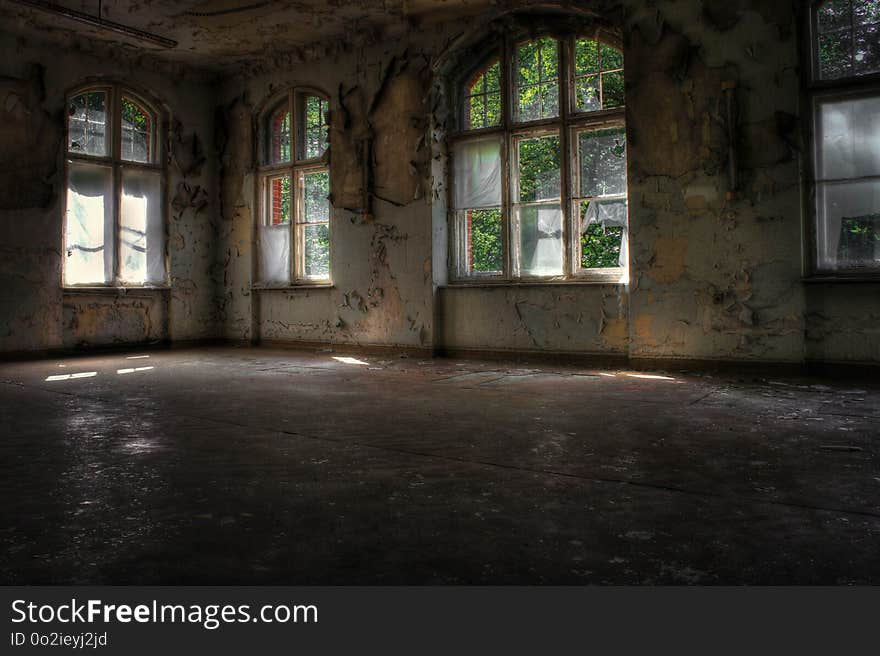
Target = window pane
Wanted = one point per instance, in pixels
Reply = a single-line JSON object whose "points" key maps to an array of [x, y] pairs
{"points": [[835, 55], [612, 90], [317, 250], [540, 235], [137, 126], [867, 53], [834, 14], [316, 129], [141, 238], [279, 205], [538, 169], [316, 189], [482, 95], [273, 248], [849, 225], [485, 250], [850, 138], [603, 230], [89, 240], [537, 84], [477, 173], [612, 58], [866, 11], [279, 135], [587, 90], [602, 162], [586, 52], [86, 124]]}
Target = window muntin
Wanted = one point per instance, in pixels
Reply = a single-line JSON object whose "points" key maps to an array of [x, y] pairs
{"points": [[114, 227], [846, 136], [293, 231], [517, 209]]}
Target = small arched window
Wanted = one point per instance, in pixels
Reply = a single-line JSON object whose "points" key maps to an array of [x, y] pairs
{"points": [[845, 36], [539, 163], [293, 233], [114, 230]]}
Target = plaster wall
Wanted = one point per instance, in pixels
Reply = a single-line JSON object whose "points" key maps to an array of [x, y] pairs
{"points": [[35, 312]]}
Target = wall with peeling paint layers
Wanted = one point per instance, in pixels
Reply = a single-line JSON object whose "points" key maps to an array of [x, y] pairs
{"points": [[35, 312], [381, 263], [712, 276]]}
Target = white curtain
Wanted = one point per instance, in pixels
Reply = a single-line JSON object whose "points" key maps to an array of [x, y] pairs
{"points": [[274, 254], [477, 174]]}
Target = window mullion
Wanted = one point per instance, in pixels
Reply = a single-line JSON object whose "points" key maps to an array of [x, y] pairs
{"points": [[293, 254], [507, 91], [563, 105], [114, 113]]}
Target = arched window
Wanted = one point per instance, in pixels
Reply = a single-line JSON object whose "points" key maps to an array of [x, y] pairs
{"points": [[293, 233], [538, 187], [845, 36], [114, 228]]}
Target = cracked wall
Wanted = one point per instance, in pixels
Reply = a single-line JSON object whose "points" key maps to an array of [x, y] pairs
{"points": [[35, 313]]}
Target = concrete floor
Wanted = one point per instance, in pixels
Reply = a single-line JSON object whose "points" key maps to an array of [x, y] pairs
{"points": [[257, 466]]}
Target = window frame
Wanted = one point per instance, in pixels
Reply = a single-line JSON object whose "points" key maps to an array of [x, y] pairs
{"points": [[816, 91], [568, 119], [295, 100], [114, 93]]}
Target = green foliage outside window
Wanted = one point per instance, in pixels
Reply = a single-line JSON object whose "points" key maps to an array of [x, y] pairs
{"points": [[486, 244]]}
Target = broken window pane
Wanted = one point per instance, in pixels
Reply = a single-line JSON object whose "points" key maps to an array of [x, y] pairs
{"points": [[603, 233], [86, 125], [279, 201], [88, 240], [598, 76], [317, 250], [484, 245], [315, 128], [849, 225], [141, 238], [537, 80], [279, 135], [602, 162], [587, 93], [612, 90], [273, 247], [849, 145], [137, 126], [540, 239], [483, 98], [477, 173], [538, 176]]}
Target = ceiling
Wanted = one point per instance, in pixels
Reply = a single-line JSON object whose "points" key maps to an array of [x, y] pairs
{"points": [[216, 33]]}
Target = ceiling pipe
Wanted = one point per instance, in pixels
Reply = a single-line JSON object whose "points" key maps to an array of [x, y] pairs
{"points": [[97, 21]]}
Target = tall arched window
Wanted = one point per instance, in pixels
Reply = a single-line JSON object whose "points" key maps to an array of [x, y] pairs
{"points": [[114, 232], [538, 187], [293, 232], [845, 97]]}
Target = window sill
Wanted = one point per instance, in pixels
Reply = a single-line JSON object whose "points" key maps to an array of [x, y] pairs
{"points": [[836, 279], [114, 290], [481, 284], [292, 288]]}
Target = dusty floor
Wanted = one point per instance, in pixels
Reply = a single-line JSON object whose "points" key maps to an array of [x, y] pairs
{"points": [[259, 466]]}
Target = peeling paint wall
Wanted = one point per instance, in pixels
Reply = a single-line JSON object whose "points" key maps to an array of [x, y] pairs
{"points": [[35, 313], [712, 275]]}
